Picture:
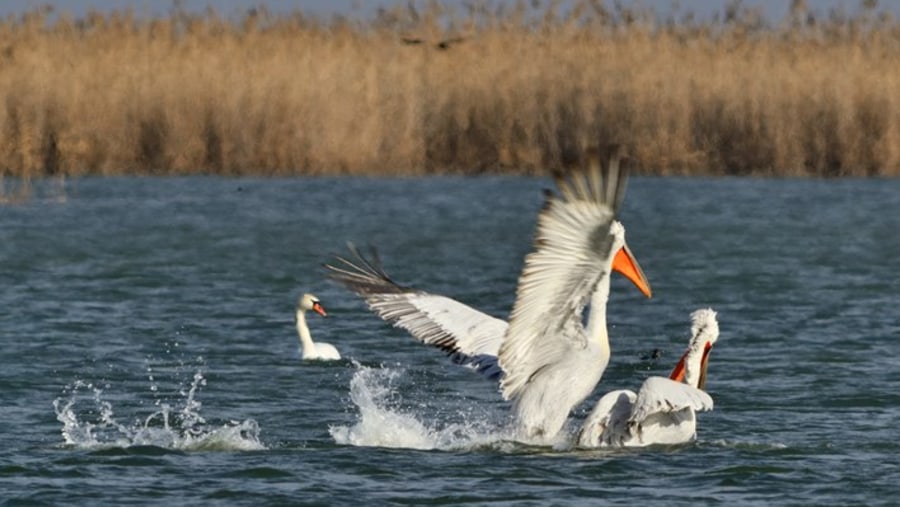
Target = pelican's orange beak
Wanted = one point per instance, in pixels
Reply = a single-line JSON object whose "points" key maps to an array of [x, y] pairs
{"points": [[625, 263], [317, 307], [678, 373], [704, 364]]}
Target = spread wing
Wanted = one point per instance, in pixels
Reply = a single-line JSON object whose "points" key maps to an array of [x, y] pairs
{"points": [[572, 246], [468, 335], [660, 394]]}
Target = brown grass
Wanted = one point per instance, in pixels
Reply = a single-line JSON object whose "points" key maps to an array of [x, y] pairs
{"points": [[522, 91]]}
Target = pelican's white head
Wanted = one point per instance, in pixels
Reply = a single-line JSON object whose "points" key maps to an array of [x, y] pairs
{"points": [[704, 327], [310, 302], [624, 261], [691, 369]]}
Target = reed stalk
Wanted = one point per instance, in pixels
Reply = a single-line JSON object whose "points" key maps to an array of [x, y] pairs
{"points": [[517, 89]]}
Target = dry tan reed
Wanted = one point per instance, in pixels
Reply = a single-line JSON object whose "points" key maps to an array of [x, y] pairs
{"points": [[415, 92]]}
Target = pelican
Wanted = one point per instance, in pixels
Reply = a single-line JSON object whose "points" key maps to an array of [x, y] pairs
{"points": [[551, 360], [664, 410], [312, 350], [547, 360]]}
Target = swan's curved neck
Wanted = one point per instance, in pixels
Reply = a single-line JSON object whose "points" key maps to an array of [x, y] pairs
{"points": [[303, 332], [596, 324]]}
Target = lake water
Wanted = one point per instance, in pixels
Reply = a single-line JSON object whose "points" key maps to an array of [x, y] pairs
{"points": [[149, 354]]}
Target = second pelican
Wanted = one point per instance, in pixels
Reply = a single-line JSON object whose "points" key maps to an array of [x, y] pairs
{"points": [[664, 410]]}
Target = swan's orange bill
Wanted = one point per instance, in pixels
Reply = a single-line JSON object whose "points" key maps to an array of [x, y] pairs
{"points": [[625, 263], [317, 307]]}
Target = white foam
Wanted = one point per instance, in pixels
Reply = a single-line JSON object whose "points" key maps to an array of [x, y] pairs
{"points": [[748, 445], [382, 423], [89, 422]]}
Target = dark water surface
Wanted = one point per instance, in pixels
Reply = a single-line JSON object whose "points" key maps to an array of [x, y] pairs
{"points": [[149, 354]]}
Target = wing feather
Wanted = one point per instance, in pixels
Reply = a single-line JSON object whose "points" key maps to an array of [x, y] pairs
{"points": [[607, 424], [468, 335], [660, 394], [571, 242]]}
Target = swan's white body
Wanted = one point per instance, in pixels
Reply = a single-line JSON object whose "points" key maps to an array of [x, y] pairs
{"points": [[664, 411], [309, 348], [548, 361]]}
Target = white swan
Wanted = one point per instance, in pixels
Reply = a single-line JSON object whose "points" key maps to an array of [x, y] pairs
{"points": [[664, 410], [549, 362], [312, 350]]}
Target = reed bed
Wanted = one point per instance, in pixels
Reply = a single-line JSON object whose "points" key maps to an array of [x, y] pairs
{"points": [[408, 92]]}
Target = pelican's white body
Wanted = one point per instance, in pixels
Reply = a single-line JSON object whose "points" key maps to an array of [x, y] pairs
{"points": [[663, 412], [564, 370]]}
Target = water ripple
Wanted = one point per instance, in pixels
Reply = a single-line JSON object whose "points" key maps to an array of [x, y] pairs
{"points": [[157, 314]]}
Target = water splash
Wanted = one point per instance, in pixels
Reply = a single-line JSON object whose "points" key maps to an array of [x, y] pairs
{"points": [[89, 422], [383, 423]]}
